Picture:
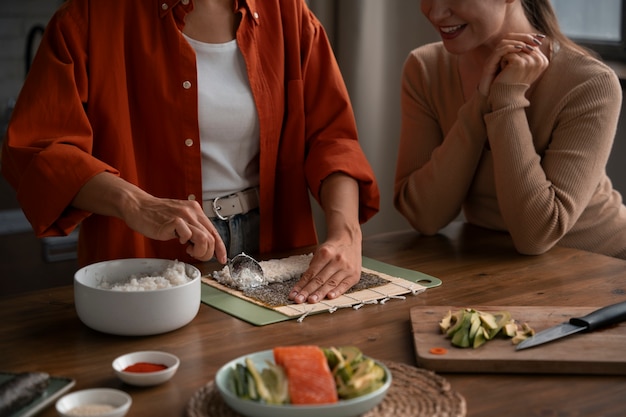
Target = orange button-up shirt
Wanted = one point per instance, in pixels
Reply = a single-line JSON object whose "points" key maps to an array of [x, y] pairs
{"points": [[113, 88]]}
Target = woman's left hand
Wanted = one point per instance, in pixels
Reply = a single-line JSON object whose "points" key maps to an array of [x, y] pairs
{"points": [[334, 269], [524, 66], [518, 59]]}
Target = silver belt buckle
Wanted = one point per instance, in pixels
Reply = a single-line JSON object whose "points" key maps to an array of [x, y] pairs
{"points": [[216, 210]]}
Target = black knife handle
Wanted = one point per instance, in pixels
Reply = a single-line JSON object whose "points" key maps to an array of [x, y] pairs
{"points": [[604, 316]]}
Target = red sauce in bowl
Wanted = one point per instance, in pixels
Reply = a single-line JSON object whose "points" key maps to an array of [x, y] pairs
{"points": [[145, 367]]}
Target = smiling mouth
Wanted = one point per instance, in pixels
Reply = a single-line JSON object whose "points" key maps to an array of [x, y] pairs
{"points": [[450, 30]]}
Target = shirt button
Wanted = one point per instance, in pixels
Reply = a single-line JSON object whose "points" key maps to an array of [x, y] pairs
{"points": [[189, 142], [185, 2], [164, 6], [187, 85], [191, 197]]}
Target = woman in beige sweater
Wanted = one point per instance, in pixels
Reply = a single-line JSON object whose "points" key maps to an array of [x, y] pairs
{"points": [[511, 123]]}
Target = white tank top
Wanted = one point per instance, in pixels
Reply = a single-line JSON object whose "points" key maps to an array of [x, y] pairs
{"points": [[228, 120]]}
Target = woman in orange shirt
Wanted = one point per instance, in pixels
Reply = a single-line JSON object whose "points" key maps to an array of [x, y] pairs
{"points": [[152, 123]]}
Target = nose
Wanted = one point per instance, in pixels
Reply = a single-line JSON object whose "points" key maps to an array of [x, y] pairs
{"points": [[435, 10]]}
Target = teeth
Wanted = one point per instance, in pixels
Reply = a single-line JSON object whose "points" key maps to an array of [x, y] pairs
{"points": [[450, 29]]}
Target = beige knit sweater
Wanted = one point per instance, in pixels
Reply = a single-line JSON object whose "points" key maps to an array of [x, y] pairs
{"points": [[528, 161]]}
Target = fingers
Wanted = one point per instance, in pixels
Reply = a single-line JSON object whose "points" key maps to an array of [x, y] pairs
{"points": [[529, 43], [205, 244], [196, 231], [313, 288], [220, 252], [326, 277], [522, 59], [200, 242]]}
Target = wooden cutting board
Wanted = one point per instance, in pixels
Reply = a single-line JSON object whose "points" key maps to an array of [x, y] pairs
{"points": [[600, 352]]}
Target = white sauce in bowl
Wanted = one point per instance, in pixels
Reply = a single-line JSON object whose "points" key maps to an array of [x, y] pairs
{"points": [[90, 410]]}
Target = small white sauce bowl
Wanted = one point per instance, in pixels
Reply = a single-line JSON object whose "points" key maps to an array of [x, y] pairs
{"points": [[119, 400], [145, 379]]}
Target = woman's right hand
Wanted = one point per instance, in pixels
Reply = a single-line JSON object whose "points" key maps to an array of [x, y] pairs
{"points": [[165, 219], [518, 59], [155, 218]]}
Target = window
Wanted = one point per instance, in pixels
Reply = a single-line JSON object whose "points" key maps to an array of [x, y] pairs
{"points": [[596, 24]]}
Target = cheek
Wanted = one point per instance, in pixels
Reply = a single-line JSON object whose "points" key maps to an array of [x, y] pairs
{"points": [[495, 27], [485, 31]]}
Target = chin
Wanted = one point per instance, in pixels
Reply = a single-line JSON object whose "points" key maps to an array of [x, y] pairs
{"points": [[454, 48]]}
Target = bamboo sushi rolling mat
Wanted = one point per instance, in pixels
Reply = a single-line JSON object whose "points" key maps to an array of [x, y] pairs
{"points": [[395, 288]]}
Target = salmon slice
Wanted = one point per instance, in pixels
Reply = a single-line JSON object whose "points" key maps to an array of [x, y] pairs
{"points": [[310, 380]]}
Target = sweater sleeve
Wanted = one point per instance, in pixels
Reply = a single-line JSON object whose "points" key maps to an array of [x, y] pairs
{"points": [[435, 168], [542, 193]]}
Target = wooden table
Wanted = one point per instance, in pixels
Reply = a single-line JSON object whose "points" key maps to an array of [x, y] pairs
{"points": [[40, 330]]}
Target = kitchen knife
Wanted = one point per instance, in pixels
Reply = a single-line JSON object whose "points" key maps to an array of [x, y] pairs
{"points": [[604, 316]]}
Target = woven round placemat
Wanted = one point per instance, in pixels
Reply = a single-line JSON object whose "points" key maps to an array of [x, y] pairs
{"points": [[414, 392]]}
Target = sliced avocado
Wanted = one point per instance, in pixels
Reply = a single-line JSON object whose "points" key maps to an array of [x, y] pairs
{"points": [[510, 329], [351, 354], [446, 322], [475, 325], [333, 357], [481, 338], [368, 376], [275, 379], [261, 390], [501, 317], [488, 320], [524, 333], [460, 337], [456, 321]]}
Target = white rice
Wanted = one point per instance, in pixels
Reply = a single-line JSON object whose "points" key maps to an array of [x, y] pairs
{"points": [[274, 270], [172, 276]]}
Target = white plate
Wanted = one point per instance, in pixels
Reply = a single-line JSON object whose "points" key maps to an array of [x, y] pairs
{"points": [[343, 408], [55, 389]]}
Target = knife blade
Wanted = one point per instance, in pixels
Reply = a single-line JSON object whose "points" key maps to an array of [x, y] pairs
{"points": [[602, 317]]}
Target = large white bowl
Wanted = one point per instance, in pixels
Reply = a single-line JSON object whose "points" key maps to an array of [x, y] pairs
{"points": [[343, 408], [119, 400], [134, 313], [145, 379]]}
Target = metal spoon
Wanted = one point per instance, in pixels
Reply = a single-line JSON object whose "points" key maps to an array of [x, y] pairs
{"points": [[246, 271]]}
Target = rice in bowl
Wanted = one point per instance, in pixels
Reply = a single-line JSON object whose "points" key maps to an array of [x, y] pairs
{"points": [[175, 274]]}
